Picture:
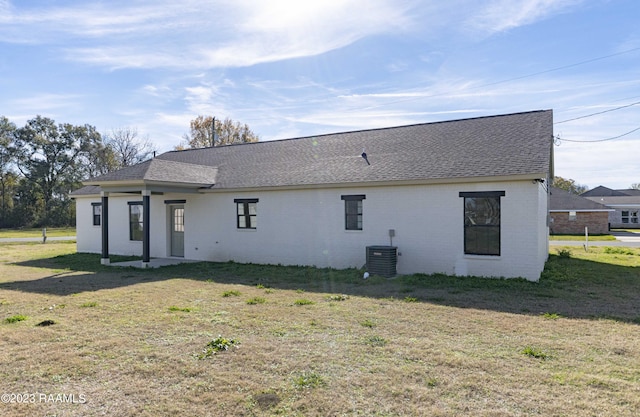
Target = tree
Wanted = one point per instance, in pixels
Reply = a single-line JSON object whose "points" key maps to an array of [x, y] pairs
{"points": [[227, 132], [98, 159], [48, 157], [569, 185], [127, 148], [7, 176], [635, 186]]}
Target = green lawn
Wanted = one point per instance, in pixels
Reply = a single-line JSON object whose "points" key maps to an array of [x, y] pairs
{"points": [[222, 339], [51, 232], [592, 238]]}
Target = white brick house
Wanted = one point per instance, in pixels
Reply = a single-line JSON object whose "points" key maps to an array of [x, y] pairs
{"points": [[465, 197]]}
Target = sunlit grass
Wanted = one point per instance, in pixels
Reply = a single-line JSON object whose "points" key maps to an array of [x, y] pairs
{"points": [[207, 339]]}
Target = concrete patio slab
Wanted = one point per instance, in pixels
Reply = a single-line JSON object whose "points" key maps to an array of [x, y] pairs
{"points": [[153, 263]]}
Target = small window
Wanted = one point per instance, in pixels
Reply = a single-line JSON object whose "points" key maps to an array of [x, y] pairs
{"points": [[246, 213], [482, 222], [573, 216], [97, 213], [629, 216], [178, 219], [136, 230], [353, 211]]}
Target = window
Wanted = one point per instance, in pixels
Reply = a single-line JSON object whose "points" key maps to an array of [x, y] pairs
{"points": [[178, 219], [629, 216], [353, 211], [482, 222], [246, 213], [573, 216], [97, 213], [136, 231]]}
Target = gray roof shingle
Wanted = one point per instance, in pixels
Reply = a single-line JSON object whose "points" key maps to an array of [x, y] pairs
{"points": [[161, 170], [505, 145], [563, 200]]}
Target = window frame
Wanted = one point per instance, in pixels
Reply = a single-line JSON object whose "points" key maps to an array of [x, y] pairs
{"points": [[631, 216], [246, 220], [353, 211], [492, 244], [133, 233], [97, 218]]}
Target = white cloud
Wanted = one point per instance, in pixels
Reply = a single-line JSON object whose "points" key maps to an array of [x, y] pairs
{"points": [[502, 15], [200, 34], [45, 102]]}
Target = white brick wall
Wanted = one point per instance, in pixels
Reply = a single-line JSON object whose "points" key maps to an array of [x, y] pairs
{"points": [[306, 227]]}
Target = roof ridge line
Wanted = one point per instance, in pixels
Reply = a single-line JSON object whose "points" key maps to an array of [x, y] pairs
{"points": [[364, 130]]}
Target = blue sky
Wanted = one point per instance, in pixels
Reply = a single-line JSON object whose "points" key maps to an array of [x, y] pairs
{"points": [[292, 68]]}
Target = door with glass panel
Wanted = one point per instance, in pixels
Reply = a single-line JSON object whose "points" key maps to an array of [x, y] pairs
{"points": [[177, 231]]}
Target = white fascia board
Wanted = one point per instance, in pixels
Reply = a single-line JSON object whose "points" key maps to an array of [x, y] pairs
{"points": [[436, 181]]}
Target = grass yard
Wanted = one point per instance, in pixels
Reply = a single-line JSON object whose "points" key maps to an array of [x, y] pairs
{"points": [[223, 339], [592, 238], [51, 232]]}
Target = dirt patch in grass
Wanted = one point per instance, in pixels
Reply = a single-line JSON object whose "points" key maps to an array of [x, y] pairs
{"points": [[455, 349]]}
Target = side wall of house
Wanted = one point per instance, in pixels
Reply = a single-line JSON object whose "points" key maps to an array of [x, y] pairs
{"points": [[596, 221], [616, 219], [307, 227], [88, 236]]}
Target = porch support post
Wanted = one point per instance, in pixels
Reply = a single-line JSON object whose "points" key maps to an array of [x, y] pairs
{"points": [[146, 226], [104, 260]]}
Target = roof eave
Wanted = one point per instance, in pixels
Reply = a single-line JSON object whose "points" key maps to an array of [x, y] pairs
{"points": [[430, 181]]}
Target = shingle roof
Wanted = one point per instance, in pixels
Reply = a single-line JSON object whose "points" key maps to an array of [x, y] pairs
{"points": [[505, 145], [602, 191], [563, 200], [161, 170]]}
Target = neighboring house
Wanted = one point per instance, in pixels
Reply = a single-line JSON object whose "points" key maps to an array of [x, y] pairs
{"points": [[465, 197], [625, 205], [571, 213]]}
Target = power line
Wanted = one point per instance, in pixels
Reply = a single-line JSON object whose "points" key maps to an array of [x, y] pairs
{"points": [[595, 114], [419, 97], [559, 139]]}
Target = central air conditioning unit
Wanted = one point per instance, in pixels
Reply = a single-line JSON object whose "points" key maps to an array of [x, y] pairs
{"points": [[382, 260]]}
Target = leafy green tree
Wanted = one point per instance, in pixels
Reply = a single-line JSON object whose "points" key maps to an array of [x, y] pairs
{"points": [[569, 185], [8, 178], [48, 156], [227, 132]]}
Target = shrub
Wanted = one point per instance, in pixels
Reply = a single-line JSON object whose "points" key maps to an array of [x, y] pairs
{"points": [[217, 345], [376, 341], [15, 319], [309, 380], [534, 353], [89, 304], [619, 250], [183, 309], [256, 300], [231, 293], [564, 253], [303, 302]]}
